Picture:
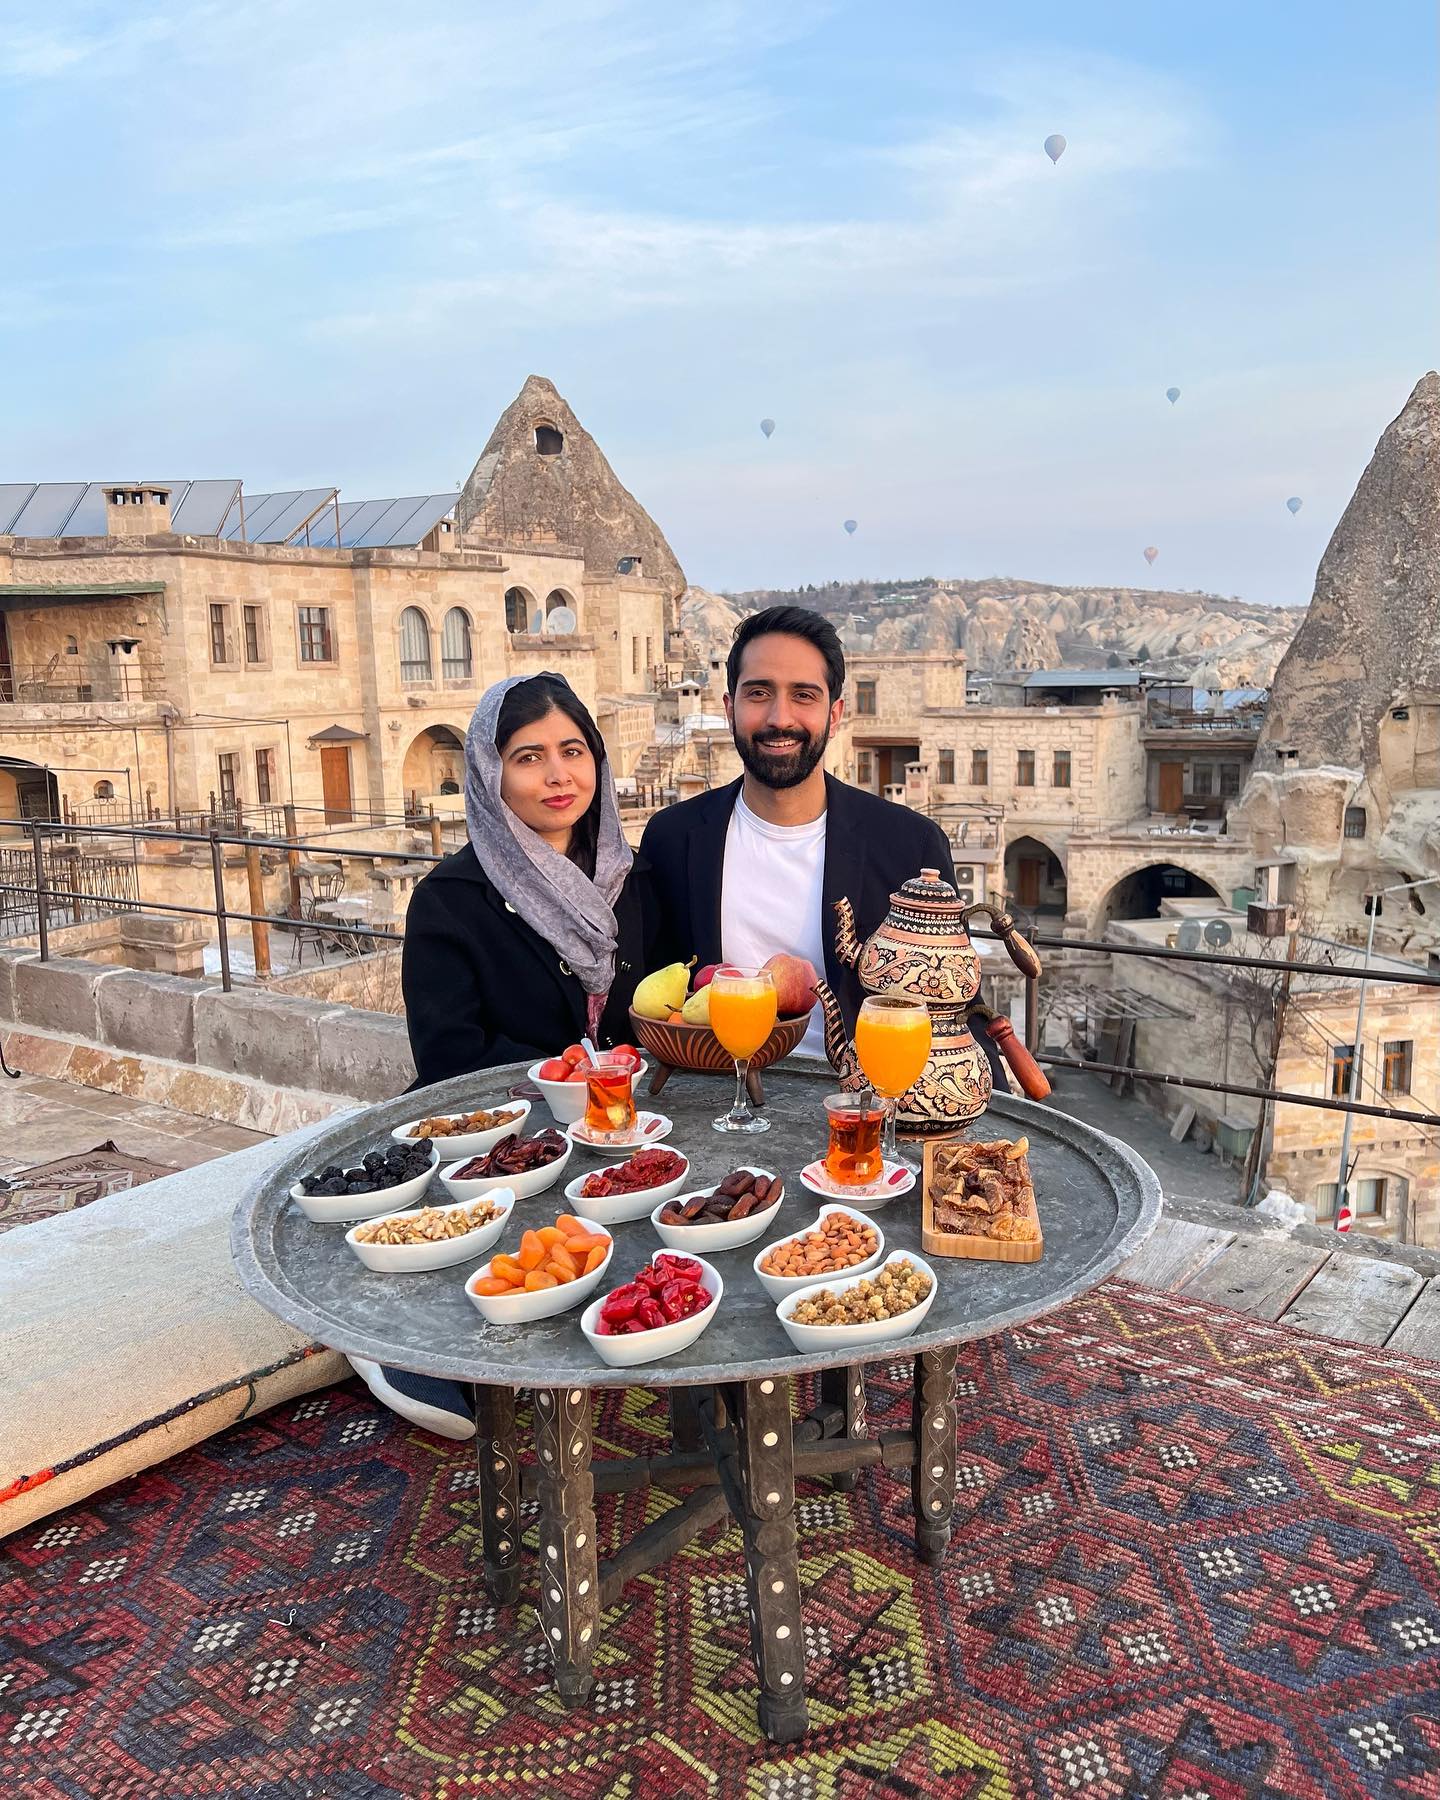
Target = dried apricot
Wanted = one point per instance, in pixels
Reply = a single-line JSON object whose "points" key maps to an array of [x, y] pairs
{"points": [[537, 1279], [531, 1252]]}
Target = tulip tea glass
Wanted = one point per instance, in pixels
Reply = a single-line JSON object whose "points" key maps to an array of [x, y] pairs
{"points": [[892, 1042], [852, 1157], [742, 1016], [610, 1098]]}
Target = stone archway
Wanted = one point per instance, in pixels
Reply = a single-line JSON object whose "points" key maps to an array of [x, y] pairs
{"points": [[1142, 891], [434, 766], [1035, 882]]}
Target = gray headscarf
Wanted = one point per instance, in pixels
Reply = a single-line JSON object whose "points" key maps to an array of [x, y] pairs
{"points": [[552, 894]]}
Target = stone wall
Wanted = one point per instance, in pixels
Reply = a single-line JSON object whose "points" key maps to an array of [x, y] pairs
{"points": [[371, 983]]}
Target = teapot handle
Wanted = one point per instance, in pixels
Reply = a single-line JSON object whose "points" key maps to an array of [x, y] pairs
{"points": [[1022, 953]]}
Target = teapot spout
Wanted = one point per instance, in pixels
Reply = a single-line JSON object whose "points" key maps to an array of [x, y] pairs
{"points": [[837, 1045]]}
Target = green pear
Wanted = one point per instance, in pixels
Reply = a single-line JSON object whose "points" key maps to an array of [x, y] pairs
{"points": [[697, 1008], [662, 993]]}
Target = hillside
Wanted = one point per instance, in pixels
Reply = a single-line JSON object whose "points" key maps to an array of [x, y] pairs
{"points": [[1004, 624]]}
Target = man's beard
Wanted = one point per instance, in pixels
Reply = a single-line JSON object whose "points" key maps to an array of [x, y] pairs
{"points": [[781, 771]]}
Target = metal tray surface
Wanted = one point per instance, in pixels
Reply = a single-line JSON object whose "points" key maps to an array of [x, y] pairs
{"points": [[1098, 1203]]}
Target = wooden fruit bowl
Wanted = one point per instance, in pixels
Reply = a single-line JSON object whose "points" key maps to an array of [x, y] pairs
{"points": [[697, 1047]]}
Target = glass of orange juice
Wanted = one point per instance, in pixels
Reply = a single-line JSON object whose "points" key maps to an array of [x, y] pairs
{"points": [[742, 1016], [892, 1041]]}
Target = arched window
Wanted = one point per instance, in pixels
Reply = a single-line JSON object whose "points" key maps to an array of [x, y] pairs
{"points": [[414, 645], [71, 647], [554, 600], [1354, 821], [104, 790], [455, 659], [517, 609]]}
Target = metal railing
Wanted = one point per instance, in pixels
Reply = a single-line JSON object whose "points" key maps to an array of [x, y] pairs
{"points": [[45, 897]]}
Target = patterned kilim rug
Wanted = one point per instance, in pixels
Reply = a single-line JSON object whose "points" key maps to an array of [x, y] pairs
{"points": [[71, 1181], [1196, 1556]]}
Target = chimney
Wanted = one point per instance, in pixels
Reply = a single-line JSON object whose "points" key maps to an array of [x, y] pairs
{"points": [[135, 510]]}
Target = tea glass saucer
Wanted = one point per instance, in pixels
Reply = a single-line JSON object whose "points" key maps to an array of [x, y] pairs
{"points": [[650, 1128], [893, 1180]]}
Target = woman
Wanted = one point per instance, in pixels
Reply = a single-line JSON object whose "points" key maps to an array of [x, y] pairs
{"points": [[527, 939]]}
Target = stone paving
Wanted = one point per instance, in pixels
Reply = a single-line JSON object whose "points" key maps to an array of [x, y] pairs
{"points": [[42, 1119]]}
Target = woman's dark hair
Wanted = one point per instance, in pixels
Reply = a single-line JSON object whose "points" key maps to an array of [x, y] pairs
{"points": [[529, 702], [792, 621]]}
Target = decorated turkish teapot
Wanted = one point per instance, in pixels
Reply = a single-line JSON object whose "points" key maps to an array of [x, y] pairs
{"points": [[922, 949]]}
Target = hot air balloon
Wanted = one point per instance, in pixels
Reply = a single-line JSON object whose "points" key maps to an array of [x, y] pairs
{"points": [[1151, 553], [767, 426], [1055, 146], [1294, 503], [1172, 395], [850, 525]]}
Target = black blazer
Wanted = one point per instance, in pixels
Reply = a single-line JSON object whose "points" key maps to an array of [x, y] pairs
{"points": [[871, 847], [482, 987]]}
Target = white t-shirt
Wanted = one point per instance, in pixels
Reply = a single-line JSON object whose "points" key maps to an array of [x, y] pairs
{"points": [[770, 898]]}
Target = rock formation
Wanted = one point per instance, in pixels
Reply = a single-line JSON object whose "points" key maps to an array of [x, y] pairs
{"points": [[543, 478], [1373, 629]]}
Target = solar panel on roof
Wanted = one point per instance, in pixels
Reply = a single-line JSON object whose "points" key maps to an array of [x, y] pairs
{"points": [[322, 530], [280, 526], [423, 520], [88, 518], [13, 496], [360, 521], [48, 508], [396, 512], [260, 509], [204, 507]]}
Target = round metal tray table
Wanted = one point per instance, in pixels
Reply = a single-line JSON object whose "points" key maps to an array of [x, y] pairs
{"points": [[733, 1445]]}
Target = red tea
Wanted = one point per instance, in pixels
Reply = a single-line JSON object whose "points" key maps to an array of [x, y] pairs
{"points": [[853, 1156], [609, 1101]]}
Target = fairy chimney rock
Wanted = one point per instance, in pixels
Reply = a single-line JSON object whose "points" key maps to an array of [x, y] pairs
{"points": [[1372, 634], [543, 478]]}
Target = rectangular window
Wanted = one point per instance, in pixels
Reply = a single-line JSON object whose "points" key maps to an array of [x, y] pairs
{"points": [[217, 633], [227, 760], [316, 642], [865, 699], [1354, 821], [947, 768], [1344, 1076], [1200, 780], [1229, 780], [1060, 770], [634, 656], [1324, 1198], [265, 776], [254, 636], [1024, 768], [864, 767], [979, 768], [1395, 1078], [1370, 1197]]}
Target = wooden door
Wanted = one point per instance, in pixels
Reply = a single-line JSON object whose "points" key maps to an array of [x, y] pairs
{"points": [[335, 783], [1172, 787], [7, 674], [1031, 872]]}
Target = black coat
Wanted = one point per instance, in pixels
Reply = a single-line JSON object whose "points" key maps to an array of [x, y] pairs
{"points": [[482, 987], [871, 847]]}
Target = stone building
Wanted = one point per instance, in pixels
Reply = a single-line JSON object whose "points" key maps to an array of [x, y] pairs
{"points": [[159, 664], [1347, 774]]}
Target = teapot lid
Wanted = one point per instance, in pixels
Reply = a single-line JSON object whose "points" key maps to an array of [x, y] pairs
{"points": [[927, 889]]}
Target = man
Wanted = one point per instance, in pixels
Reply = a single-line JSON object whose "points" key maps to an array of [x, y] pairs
{"points": [[749, 870]]}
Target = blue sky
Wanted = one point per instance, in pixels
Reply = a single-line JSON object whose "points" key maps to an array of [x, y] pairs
{"points": [[307, 243]]}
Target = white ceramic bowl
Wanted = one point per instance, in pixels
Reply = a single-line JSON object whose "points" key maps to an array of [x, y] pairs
{"points": [[341, 1209], [841, 1337], [662, 1340], [615, 1209], [778, 1286], [412, 1259], [533, 1181], [727, 1234], [469, 1143], [566, 1099], [521, 1307]]}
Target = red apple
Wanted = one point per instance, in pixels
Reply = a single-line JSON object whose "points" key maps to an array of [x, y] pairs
{"points": [[794, 984], [702, 977], [556, 1069]]}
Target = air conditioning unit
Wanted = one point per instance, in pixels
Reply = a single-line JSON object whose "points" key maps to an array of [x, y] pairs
{"points": [[1267, 920]]}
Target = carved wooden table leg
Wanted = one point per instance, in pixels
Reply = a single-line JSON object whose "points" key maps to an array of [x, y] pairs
{"points": [[569, 1569], [932, 1482], [846, 1388], [764, 1460], [497, 1464], [685, 1432]]}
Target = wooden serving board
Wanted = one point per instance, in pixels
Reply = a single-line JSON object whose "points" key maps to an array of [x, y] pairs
{"points": [[953, 1243]]}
